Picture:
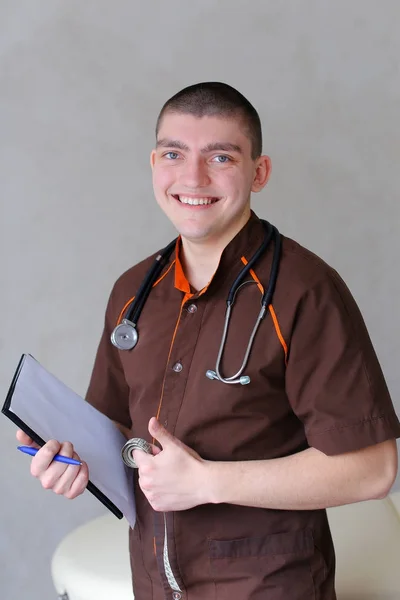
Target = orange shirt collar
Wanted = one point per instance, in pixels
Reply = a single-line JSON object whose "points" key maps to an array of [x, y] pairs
{"points": [[181, 283]]}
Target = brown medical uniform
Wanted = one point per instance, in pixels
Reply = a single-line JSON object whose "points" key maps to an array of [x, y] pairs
{"points": [[315, 381]]}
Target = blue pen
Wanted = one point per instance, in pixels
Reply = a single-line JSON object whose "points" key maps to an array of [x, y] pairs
{"points": [[64, 459]]}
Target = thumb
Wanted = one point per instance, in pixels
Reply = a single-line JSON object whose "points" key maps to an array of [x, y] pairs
{"points": [[159, 433]]}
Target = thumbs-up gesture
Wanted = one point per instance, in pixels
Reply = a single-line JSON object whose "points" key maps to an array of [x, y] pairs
{"points": [[174, 478]]}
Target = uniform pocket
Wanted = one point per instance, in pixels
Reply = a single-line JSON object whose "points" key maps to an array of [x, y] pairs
{"points": [[274, 567]]}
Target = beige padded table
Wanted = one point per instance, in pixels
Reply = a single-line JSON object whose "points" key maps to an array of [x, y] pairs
{"points": [[92, 562]]}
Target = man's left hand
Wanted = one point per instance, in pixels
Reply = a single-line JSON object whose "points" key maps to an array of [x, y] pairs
{"points": [[175, 477]]}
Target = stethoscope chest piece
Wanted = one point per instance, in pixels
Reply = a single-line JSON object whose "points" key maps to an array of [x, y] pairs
{"points": [[125, 335], [130, 446]]}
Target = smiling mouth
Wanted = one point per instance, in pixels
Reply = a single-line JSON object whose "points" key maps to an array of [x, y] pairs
{"points": [[195, 201]]}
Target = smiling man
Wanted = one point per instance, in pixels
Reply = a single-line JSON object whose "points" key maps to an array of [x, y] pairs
{"points": [[231, 502]]}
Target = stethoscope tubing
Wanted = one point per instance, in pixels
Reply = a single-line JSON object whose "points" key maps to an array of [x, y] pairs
{"points": [[248, 349], [269, 230], [266, 299], [144, 290], [125, 335], [273, 277]]}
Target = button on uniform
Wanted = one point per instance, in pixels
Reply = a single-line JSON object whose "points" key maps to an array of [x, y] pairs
{"points": [[176, 596], [192, 308], [177, 367]]}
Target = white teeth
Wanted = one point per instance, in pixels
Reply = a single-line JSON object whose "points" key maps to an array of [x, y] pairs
{"points": [[195, 201]]}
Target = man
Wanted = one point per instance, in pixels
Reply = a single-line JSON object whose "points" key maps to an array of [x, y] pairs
{"points": [[232, 502]]}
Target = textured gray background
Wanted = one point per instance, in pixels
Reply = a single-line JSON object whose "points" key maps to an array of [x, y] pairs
{"points": [[81, 84]]}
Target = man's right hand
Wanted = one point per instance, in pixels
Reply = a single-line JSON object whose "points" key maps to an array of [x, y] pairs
{"points": [[67, 480]]}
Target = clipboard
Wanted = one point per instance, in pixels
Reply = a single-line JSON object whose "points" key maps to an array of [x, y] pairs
{"points": [[29, 430]]}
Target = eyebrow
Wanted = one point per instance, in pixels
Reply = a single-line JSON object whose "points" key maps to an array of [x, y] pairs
{"points": [[215, 146], [169, 143]]}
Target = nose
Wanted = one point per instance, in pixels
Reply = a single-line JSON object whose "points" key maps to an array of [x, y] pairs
{"points": [[194, 173]]}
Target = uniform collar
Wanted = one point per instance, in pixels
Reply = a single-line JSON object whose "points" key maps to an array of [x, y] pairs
{"points": [[181, 283], [245, 243]]}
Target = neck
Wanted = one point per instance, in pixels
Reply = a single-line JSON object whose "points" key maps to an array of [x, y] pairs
{"points": [[200, 258], [199, 263]]}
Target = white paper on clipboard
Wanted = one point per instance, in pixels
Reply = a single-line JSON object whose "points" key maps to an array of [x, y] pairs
{"points": [[54, 411]]}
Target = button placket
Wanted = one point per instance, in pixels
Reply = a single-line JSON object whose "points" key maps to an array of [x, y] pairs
{"points": [[181, 351]]}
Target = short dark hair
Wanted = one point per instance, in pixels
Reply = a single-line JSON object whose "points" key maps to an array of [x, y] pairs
{"points": [[214, 98]]}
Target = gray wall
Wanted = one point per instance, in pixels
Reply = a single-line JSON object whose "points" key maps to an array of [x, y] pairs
{"points": [[81, 84]]}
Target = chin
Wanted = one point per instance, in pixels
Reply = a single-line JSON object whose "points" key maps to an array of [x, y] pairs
{"points": [[193, 232]]}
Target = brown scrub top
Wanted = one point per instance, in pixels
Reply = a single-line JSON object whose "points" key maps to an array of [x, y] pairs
{"points": [[315, 381]]}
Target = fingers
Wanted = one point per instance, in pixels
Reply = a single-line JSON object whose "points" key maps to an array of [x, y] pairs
{"points": [[158, 432], [80, 482], [24, 439], [163, 436], [155, 449], [141, 458], [73, 481], [44, 458], [63, 479]]}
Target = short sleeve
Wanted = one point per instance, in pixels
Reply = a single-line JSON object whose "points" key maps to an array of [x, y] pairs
{"points": [[108, 390], [334, 382]]}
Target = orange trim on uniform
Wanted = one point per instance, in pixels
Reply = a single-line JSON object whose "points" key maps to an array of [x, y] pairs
{"points": [[121, 314], [278, 332], [254, 276], [154, 545], [164, 274], [186, 296], [272, 311]]}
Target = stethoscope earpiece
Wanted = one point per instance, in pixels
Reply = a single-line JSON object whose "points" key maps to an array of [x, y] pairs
{"points": [[243, 379], [211, 374]]}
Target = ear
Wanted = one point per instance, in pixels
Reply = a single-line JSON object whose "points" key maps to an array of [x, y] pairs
{"points": [[152, 158], [262, 173]]}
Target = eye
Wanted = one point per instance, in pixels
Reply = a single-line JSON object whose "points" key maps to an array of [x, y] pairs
{"points": [[221, 158], [171, 155]]}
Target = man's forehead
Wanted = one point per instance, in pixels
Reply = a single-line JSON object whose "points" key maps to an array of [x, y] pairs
{"points": [[186, 131]]}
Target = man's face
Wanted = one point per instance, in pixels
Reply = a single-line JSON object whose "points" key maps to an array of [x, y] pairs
{"points": [[203, 175]]}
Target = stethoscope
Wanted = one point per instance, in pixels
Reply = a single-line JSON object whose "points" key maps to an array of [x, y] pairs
{"points": [[125, 335]]}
